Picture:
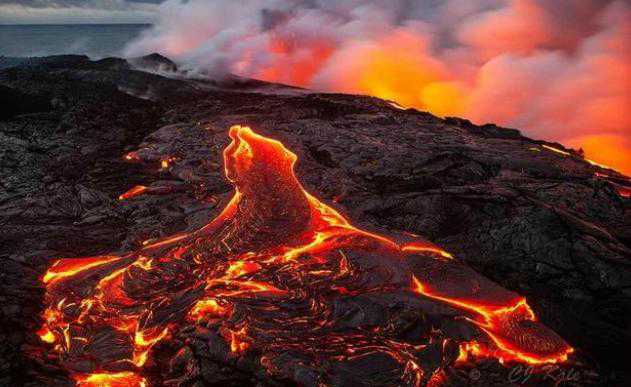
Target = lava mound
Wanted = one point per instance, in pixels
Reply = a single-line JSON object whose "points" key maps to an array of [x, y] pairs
{"points": [[283, 282]]}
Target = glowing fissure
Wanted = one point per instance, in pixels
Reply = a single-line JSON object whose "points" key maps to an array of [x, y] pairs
{"points": [[135, 191], [568, 154], [273, 241], [490, 318], [115, 379], [556, 150], [69, 267]]}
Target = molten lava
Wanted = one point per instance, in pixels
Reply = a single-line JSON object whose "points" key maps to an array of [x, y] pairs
{"points": [[271, 271], [502, 323], [135, 191]]}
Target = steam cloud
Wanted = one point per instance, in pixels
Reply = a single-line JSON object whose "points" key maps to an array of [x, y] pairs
{"points": [[560, 70]]}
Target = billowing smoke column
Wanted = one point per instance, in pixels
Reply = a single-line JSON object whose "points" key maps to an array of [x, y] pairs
{"points": [[560, 70]]}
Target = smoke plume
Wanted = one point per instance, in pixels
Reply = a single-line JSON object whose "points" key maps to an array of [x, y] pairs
{"points": [[559, 70]]}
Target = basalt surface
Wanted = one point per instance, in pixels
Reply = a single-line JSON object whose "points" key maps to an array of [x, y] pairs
{"points": [[534, 217]]}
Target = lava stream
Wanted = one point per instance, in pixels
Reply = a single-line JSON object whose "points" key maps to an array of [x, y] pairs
{"points": [[270, 273]]}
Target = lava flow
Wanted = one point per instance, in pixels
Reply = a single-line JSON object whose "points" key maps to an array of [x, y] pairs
{"points": [[283, 278]]}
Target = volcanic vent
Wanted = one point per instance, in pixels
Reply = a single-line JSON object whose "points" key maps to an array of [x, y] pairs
{"points": [[278, 278]]}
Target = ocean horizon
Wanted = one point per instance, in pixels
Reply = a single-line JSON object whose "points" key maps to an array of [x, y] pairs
{"points": [[94, 40]]}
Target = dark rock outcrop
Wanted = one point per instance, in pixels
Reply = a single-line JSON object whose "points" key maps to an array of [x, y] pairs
{"points": [[547, 225], [14, 102], [154, 62]]}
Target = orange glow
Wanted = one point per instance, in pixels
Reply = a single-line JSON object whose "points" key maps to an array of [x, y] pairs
{"points": [[240, 268], [143, 339], [606, 151], [69, 267], [398, 68], [132, 156], [556, 150], [165, 242], [119, 379], [518, 63], [46, 335], [625, 192], [413, 369], [292, 62], [426, 248], [237, 340], [396, 105], [143, 342], [209, 307], [437, 379], [166, 163], [135, 191], [468, 349], [610, 149], [244, 287]]}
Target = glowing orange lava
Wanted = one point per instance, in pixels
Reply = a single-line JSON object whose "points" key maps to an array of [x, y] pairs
{"points": [[119, 379], [497, 321], [556, 150], [135, 191], [267, 272], [208, 307], [69, 267]]}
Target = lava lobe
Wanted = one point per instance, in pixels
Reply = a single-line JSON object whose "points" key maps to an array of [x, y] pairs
{"points": [[285, 279]]}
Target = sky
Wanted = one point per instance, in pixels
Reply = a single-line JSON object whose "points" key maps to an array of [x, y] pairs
{"points": [[77, 11]]}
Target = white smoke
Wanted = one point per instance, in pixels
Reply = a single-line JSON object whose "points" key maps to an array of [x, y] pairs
{"points": [[558, 70]]}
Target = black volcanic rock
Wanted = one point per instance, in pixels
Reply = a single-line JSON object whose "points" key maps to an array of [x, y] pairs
{"points": [[549, 226], [154, 62], [15, 102], [112, 64], [486, 130]]}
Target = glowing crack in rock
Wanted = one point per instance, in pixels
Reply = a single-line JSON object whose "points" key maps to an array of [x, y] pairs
{"points": [[564, 153], [135, 191], [272, 270]]}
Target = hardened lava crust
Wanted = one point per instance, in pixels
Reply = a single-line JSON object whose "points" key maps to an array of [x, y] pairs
{"points": [[103, 161]]}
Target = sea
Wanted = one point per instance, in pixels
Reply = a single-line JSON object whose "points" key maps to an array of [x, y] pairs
{"points": [[95, 40]]}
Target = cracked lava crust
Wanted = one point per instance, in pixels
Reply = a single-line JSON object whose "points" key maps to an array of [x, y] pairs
{"points": [[274, 276]]}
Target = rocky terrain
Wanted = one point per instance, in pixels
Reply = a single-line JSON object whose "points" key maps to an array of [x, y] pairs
{"points": [[532, 216]]}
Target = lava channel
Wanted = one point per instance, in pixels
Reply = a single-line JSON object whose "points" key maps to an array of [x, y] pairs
{"points": [[275, 277]]}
